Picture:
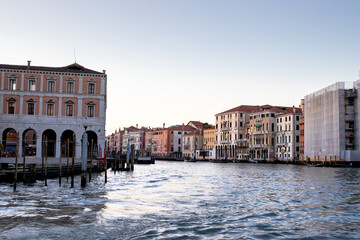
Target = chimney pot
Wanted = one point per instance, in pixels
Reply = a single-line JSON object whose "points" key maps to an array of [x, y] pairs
{"points": [[29, 64], [104, 71]]}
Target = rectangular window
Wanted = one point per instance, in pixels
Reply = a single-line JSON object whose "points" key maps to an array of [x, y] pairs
{"points": [[69, 110], [12, 84], [50, 109], [11, 107], [31, 108], [91, 88], [32, 86], [90, 111], [297, 127], [70, 87], [51, 86]]}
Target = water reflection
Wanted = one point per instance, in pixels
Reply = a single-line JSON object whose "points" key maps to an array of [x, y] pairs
{"points": [[172, 200]]}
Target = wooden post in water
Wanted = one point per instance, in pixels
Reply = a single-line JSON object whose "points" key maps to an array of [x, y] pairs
{"points": [[46, 148], [67, 163], [91, 158], [42, 158], [105, 163], [132, 157], [24, 152], [16, 160], [60, 165], [73, 164]]}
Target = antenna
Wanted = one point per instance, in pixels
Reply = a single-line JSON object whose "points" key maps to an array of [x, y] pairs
{"points": [[74, 55]]}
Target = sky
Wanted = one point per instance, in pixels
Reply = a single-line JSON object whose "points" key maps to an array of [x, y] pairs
{"points": [[173, 61]]}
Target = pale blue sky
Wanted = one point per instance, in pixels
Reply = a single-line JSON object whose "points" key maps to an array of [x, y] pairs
{"points": [[175, 61]]}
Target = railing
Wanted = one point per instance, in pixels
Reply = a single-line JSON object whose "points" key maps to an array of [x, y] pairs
{"points": [[225, 141], [225, 128], [242, 140], [350, 94]]}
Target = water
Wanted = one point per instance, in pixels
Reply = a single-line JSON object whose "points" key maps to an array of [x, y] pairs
{"points": [[182, 200]]}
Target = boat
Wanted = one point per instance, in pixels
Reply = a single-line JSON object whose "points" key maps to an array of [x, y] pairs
{"points": [[253, 161], [144, 156]]}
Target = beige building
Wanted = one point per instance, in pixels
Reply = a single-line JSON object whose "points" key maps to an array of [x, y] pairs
{"points": [[51, 106], [230, 134], [192, 142]]}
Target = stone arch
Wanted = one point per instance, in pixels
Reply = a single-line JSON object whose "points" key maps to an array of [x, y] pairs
{"points": [[68, 142], [29, 142], [9, 141], [92, 136], [49, 141]]}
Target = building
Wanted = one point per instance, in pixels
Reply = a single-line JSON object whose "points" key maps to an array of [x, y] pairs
{"points": [[53, 106], [287, 137], [168, 142], [230, 140], [302, 138], [332, 123], [192, 142], [208, 150], [271, 123], [133, 136]]}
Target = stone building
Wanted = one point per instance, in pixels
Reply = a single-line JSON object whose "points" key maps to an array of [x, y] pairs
{"points": [[52, 106]]}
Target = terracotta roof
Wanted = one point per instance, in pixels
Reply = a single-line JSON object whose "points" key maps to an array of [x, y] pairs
{"points": [[132, 129], [242, 108], [196, 132], [182, 128], [72, 68]]}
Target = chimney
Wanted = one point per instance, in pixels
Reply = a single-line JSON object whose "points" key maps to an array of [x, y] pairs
{"points": [[136, 125], [104, 71], [163, 125], [29, 64], [293, 109]]}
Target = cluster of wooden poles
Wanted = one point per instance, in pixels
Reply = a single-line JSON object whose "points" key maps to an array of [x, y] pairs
{"points": [[44, 161]]}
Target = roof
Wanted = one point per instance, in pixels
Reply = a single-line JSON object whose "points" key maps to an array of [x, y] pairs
{"points": [[132, 129], [196, 132], [242, 108], [182, 128], [72, 68]]}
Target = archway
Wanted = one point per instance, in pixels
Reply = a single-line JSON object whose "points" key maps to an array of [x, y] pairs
{"points": [[29, 142], [68, 140], [92, 137], [9, 141], [49, 139]]}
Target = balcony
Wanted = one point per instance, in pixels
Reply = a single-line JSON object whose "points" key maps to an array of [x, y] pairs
{"points": [[257, 145], [350, 94], [225, 141], [349, 118], [225, 128], [350, 109], [242, 140], [258, 132]]}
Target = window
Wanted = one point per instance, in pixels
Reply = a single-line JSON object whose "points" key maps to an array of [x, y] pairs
{"points": [[90, 111], [11, 107], [297, 127], [69, 108], [91, 88], [12, 84], [50, 108], [51, 86], [31, 107], [70, 87], [32, 85]]}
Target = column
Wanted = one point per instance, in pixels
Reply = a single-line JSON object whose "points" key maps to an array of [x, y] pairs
{"points": [[58, 146], [22, 82], [20, 153], [40, 105], [60, 105], [80, 107], [2, 80], [41, 82], [21, 105], [1, 103], [80, 85], [38, 145], [61, 80]]}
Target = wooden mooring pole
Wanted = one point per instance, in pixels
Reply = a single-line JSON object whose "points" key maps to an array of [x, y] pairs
{"points": [[42, 159], [132, 156], [60, 169], [73, 164], [46, 157], [16, 160], [24, 152], [105, 163], [67, 163], [91, 158]]}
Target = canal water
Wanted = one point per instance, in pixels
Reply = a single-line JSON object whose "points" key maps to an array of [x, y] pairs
{"points": [[185, 200]]}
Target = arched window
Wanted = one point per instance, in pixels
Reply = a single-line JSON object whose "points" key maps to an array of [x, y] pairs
{"points": [[30, 107], [11, 105], [90, 109]]}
